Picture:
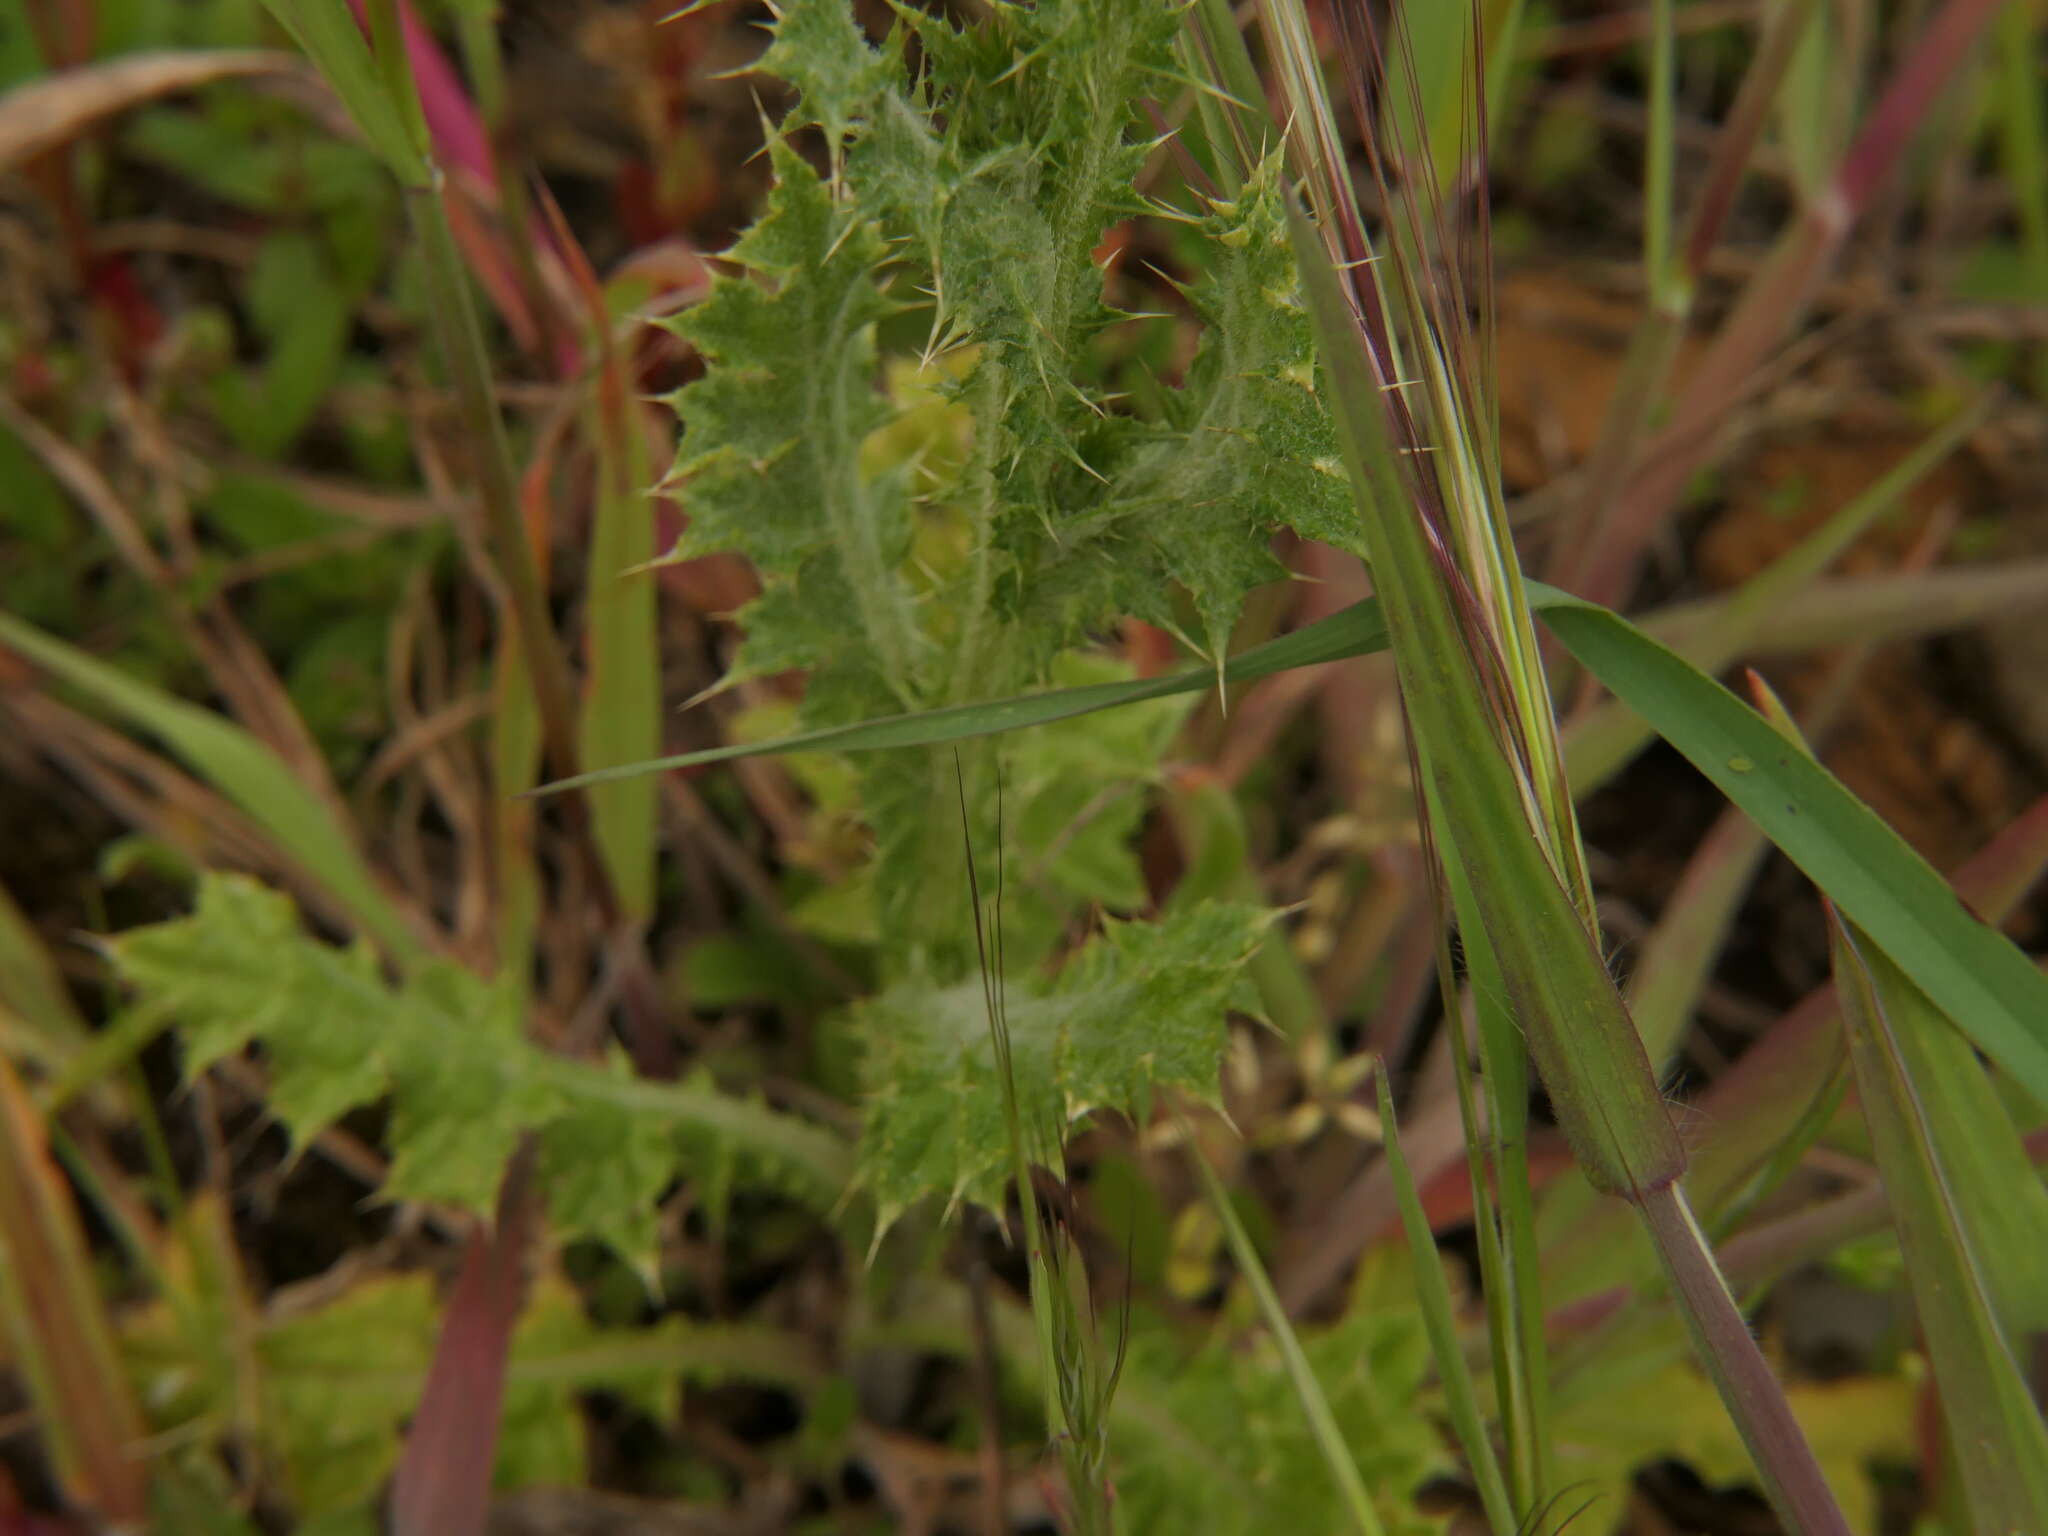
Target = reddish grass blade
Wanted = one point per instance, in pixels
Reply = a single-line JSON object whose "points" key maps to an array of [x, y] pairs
{"points": [[1775, 301], [59, 1331], [443, 1483]]}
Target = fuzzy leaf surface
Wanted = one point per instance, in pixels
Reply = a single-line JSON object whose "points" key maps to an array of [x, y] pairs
{"points": [[911, 418], [1215, 1440], [1141, 1007], [448, 1050]]}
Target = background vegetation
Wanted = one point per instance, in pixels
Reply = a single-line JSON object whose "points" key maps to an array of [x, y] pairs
{"points": [[1469, 1070]]}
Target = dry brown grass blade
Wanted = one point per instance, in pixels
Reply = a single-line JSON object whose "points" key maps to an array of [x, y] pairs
{"points": [[234, 663], [42, 114], [61, 1338]]}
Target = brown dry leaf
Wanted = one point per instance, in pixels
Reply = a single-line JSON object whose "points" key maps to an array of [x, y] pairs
{"points": [[47, 112]]}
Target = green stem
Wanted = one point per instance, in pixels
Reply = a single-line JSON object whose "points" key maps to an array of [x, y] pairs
{"points": [[461, 339], [1660, 151], [1435, 1297], [1322, 1422]]}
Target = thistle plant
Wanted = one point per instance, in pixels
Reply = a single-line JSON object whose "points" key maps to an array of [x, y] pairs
{"points": [[1052, 318], [1406, 379]]}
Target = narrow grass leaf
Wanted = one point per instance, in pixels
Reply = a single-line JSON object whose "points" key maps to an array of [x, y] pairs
{"points": [[621, 721], [57, 1328], [1972, 972], [243, 769], [1434, 1296], [1314, 1405], [1830, 612], [1497, 1154], [1995, 1430], [1355, 631], [328, 35]]}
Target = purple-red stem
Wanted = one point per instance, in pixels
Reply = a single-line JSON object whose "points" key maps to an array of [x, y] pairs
{"points": [[443, 1483], [1776, 299], [1738, 136], [1777, 1445], [462, 142]]}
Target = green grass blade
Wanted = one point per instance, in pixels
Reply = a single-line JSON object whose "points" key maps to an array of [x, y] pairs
{"points": [[1972, 972], [1504, 1204], [1434, 1296], [1831, 612], [1354, 631], [1322, 1422], [328, 35], [621, 720], [1606, 740], [243, 769], [1995, 1431]]}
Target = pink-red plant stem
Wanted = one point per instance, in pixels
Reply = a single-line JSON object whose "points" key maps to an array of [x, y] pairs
{"points": [[1777, 1445], [443, 1483]]}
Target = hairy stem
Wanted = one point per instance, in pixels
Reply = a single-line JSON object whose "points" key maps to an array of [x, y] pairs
{"points": [[1777, 1445]]}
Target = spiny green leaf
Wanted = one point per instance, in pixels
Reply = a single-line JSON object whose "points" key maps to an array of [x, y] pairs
{"points": [[1141, 1008], [448, 1049], [773, 431], [928, 534], [1252, 448], [819, 48]]}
